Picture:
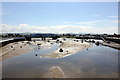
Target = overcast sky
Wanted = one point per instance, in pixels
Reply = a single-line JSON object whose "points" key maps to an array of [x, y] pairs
{"points": [[60, 17]]}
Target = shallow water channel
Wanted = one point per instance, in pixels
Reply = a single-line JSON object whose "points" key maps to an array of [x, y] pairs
{"points": [[96, 62]]}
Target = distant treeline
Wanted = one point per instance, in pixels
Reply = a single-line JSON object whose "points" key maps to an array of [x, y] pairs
{"points": [[37, 35]]}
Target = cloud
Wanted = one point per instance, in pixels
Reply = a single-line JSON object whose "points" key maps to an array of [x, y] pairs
{"points": [[23, 25], [113, 16], [21, 28], [88, 23], [66, 22]]}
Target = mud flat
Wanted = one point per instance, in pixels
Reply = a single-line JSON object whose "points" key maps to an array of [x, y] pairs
{"points": [[68, 47], [21, 47], [14, 49]]}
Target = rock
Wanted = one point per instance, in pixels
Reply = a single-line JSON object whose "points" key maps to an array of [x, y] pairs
{"points": [[89, 41], [82, 41], [93, 41], [60, 41], [61, 50], [57, 41], [97, 43], [28, 43], [20, 46], [11, 46], [48, 41], [38, 44]]}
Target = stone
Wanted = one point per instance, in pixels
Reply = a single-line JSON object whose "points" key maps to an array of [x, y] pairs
{"points": [[61, 50]]}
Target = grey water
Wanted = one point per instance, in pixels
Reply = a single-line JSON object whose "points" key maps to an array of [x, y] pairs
{"points": [[96, 62]]}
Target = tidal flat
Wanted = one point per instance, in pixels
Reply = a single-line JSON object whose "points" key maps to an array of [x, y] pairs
{"points": [[43, 59]]}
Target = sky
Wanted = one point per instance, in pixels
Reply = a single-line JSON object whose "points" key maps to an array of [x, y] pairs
{"points": [[60, 17]]}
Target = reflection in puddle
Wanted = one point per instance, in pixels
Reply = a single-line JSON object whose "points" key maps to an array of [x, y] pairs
{"points": [[56, 72]]}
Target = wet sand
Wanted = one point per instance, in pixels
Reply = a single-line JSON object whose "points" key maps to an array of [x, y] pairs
{"points": [[69, 47], [14, 49], [22, 47]]}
